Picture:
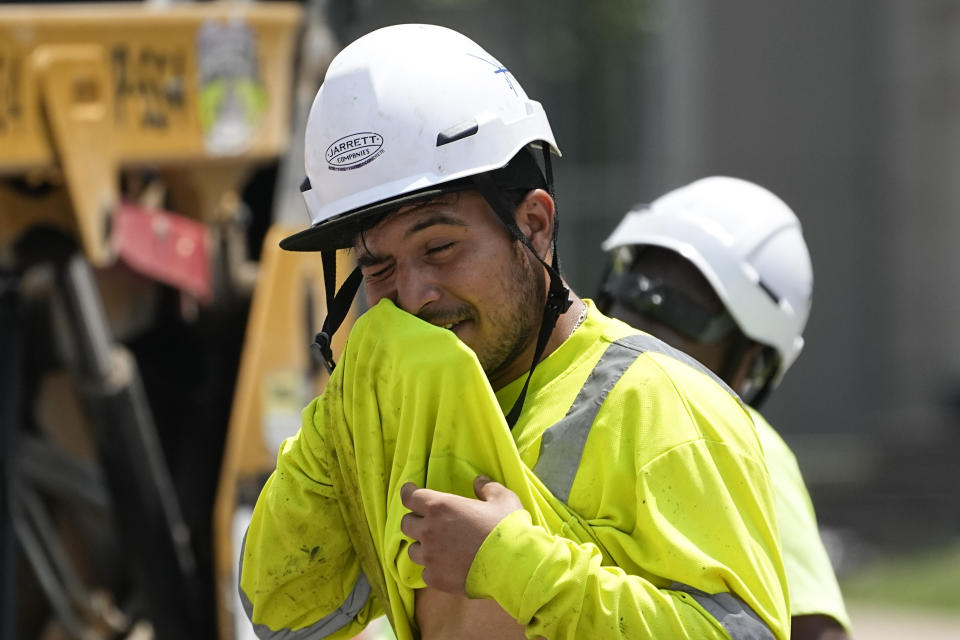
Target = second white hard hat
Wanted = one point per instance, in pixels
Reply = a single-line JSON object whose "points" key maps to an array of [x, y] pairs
{"points": [[748, 244]]}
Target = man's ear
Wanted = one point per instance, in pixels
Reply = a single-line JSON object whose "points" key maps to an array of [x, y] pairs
{"points": [[535, 220]]}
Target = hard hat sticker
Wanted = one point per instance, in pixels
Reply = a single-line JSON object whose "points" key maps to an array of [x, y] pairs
{"points": [[498, 68], [354, 151]]}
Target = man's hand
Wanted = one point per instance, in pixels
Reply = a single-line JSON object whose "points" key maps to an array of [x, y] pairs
{"points": [[448, 529]]}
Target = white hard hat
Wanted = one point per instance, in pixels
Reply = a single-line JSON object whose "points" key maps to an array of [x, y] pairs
{"points": [[403, 110], [748, 244]]}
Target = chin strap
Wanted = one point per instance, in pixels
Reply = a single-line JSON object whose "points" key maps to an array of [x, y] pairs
{"points": [[558, 301], [558, 295], [338, 304]]}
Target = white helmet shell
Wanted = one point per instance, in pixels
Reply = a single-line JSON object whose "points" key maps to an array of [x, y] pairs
{"points": [[748, 244], [402, 109]]}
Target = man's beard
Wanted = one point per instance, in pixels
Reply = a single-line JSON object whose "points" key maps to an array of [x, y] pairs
{"points": [[519, 322]]}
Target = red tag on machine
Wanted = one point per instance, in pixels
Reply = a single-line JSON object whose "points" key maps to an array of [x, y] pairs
{"points": [[166, 247]]}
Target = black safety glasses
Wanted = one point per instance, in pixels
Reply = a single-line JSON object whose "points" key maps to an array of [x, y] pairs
{"points": [[668, 306]]}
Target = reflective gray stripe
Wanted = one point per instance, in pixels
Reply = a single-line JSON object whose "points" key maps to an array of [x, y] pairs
{"points": [[562, 445], [323, 627], [643, 342], [733, 614]]}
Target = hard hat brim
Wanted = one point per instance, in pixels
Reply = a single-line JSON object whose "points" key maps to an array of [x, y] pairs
{"points": [[341, 231]]}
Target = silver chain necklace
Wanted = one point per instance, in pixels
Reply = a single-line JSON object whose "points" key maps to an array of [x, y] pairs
{"points": [[583, 316]]}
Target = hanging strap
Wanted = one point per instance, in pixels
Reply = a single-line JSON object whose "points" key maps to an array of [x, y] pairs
{"points": [[558, 301], [558, 295], [548, 171], [338, 305]]}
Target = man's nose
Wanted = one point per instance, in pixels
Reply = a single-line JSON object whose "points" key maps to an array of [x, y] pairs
{"points": [[416, 288]]}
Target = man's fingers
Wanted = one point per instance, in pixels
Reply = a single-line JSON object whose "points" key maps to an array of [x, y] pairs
{"points": [[486, 489], [412, 526], [415, 551], [406, 494], [491, 491], [414, 497], [419, 499]]}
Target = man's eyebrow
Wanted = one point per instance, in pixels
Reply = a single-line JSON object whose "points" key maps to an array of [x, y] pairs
{"points": [[367, 260], [433, 219]]}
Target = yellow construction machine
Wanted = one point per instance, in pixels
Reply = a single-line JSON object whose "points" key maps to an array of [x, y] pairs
{"points": [[128, 133]]}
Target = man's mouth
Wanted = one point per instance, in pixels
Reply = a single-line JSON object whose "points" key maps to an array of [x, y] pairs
{"points": [[451, 322], [455, 326]]}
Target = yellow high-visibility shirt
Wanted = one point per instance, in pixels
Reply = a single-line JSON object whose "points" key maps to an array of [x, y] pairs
{"points": [[647, 506], [810, 578]]}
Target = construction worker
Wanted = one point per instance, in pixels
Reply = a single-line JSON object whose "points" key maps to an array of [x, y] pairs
{"points": [[491, 457], [719, 269]]}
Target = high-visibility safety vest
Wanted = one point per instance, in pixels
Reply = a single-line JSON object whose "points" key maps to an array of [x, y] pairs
{"points": [[810, 578], [647, 506]]}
